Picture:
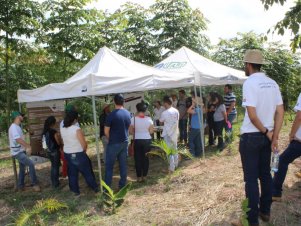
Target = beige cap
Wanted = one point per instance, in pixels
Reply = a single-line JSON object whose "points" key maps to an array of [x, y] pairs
{"points": [[105, 105], [254, 56]]}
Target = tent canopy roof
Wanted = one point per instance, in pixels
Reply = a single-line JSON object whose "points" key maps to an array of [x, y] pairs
{"points": [[209, 72], [107, 73]]}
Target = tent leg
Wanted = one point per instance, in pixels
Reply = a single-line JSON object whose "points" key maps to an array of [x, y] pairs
{"points": [[97, 142], [202, 129], [200, 116]]}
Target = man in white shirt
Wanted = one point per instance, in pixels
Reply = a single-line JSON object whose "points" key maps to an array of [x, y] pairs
{"points": [[259, 135], [292, 152], [18, 148], [170, 119]]}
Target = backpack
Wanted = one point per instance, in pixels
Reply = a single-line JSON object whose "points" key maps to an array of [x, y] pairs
{"points": [[48, 143]]}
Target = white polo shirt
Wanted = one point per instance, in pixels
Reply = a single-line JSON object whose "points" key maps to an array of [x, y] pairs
{"points": [[298, 108], [14, 133], [263, 93]]}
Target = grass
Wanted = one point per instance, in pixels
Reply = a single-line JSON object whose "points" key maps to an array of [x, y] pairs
{"points": [[200, 192]]}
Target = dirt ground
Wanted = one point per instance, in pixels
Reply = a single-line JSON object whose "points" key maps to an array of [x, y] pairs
{"points": [[200, 192]]}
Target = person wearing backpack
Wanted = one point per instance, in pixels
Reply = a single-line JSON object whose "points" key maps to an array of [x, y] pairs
{"points": [[54, 143]]}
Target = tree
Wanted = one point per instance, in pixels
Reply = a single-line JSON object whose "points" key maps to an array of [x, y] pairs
{"points": [[177, 25], [291, 21], [19, 19], [283, 66], [70, 35], [136, 39]]}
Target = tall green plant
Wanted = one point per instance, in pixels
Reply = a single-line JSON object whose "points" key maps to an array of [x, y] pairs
{"points": [[114, 200], [164, 151], [47, 205], [245, 210]]}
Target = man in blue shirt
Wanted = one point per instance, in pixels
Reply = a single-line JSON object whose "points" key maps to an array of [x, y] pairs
{"points": [[195, 142], [117, 131]]}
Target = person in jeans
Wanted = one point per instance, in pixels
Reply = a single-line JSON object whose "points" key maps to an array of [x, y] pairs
{"points": [[75, 147], [210, 117], [183, 116], [259, 136], [230, 101], [18, 148], [117, 131], [220, 119], [170, 121], [102, 120], [142, 126], [292, 152], [54, 145], [195, 142]]}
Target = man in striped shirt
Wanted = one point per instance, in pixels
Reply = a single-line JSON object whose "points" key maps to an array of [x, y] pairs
{"points": [[229, 101]]}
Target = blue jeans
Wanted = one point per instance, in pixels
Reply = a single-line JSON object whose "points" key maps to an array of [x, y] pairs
{"points": [[292, 152], [119, 152], [80, 162], [142, 147], [183, 129], [195, 142], [255, 151], [23, 162], [54, 158]]}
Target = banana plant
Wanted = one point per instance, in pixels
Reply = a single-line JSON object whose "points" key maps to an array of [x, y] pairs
{"points": [[114, 200]]}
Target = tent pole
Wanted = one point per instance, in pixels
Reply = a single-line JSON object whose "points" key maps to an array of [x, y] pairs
{"points": [[97, 142], [200, 116], [203, 129]]}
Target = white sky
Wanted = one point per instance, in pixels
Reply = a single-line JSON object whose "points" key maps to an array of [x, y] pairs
{"points": [[227, 17]]}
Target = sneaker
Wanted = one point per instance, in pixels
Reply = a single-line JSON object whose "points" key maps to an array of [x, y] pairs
{"points": [[264, 217], [276, 199], [36, 188]]}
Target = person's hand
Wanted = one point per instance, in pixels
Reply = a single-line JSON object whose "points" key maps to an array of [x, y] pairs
{"points": [[274, 145], [270, 135], [28, 150]]}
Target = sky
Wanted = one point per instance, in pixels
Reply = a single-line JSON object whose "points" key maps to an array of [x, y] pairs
{"points": [[227, 17]]}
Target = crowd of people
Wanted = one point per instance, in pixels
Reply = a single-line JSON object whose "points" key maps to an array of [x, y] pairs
{"points": [[180, 119]]}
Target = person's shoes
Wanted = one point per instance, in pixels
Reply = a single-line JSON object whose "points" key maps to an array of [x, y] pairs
{"points": [[276, 199], [298, 174], [139, 179], [36, 188], [264, 217], [76, 195], [21, 189], [239, 223]]}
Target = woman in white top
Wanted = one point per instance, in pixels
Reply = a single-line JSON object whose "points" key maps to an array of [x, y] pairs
{"points": [[75, 147], [143, 127]]}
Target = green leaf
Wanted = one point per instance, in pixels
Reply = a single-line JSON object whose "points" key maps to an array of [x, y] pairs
{"points": [[123, 191], [108, 189]]}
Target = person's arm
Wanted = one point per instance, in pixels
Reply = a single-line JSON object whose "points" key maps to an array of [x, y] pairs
{"points": [[279, 115], [81, 137], [107, 132], [191, 109], [23, 143], [296, 125], [58, 139], [231, 107], [151, 129]]}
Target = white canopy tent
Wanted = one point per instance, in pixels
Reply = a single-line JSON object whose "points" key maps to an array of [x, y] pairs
{"points": [[209, 72], [206, 71], [108, 73]]}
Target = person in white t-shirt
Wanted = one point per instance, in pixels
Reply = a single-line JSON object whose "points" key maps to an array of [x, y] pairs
{"points": [[259, 135], [170, 121], [292, 152], [158, 110], [75, 147], [142, 127], [18, 148]]}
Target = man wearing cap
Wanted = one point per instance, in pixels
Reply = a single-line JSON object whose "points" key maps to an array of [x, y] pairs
{"points": [[117, 131], [259, 135], [102, 119], [292, 152], [18, 148]]}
